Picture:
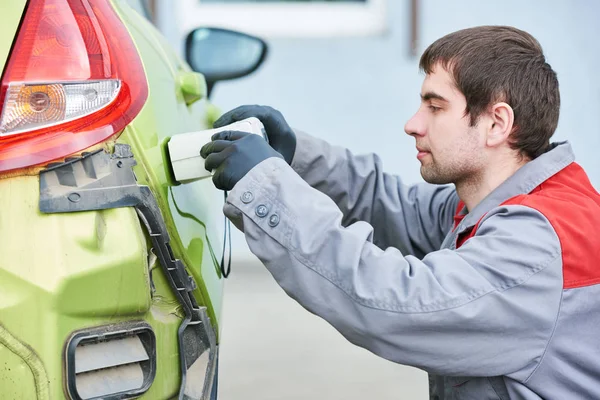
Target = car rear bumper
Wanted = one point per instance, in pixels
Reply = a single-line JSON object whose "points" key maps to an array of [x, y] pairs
{"points": [[86, 249]]}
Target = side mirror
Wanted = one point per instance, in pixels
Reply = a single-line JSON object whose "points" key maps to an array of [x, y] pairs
{"points": [[222, 54]]}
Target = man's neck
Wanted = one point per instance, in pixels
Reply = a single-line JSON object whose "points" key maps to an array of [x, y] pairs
{"points": [[474, 189]]}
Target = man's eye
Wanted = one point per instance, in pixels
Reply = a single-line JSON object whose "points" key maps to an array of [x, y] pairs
{"points": [[434, 108]]}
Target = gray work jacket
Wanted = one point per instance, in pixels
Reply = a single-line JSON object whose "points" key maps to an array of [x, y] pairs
{"points": [[502, 302]]}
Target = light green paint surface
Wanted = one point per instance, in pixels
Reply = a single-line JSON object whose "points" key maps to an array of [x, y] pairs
{"points": [[60, 273], [10, 15], [193, 212]]}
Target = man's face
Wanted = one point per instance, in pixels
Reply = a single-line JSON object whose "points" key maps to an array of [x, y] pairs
{"points": [[449, 149]]}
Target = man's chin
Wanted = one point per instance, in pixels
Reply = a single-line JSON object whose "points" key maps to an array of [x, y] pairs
{"points": [[434, 178]]}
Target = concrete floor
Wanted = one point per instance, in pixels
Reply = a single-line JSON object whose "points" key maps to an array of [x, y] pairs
{"points": [[273, 349]]}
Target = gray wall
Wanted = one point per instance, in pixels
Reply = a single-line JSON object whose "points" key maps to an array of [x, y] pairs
{"points": [[359, 92]]}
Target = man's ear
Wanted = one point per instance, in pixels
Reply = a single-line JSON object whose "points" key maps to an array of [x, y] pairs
{"points": [[502, 120]]}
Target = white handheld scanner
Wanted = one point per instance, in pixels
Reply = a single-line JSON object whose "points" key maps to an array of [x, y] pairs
{"points": [[184, 149]]}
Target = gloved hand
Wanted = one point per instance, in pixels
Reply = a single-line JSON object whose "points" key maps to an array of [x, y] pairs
{"points": [[281, 137], [233, 154]]}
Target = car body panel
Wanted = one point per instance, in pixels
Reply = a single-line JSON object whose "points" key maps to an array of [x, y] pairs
{"points": [[11, 12], [188, 209], [60, 273], [85, 269]]}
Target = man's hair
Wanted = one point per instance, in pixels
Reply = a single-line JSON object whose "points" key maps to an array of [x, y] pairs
{"points": [[491, 64]]}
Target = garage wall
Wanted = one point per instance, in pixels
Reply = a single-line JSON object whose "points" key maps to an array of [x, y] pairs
{"points": [[359, 92]]}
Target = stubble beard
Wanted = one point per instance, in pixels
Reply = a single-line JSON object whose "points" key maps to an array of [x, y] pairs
{"points": [[457, 172]]}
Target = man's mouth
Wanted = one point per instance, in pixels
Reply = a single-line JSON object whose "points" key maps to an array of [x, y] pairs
{"points": [[421, 153]]}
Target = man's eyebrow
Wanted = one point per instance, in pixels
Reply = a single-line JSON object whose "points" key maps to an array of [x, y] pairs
{"points": [[432, 95]]}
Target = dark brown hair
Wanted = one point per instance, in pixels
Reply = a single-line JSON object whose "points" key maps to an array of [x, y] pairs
{"points": [[501, 63]]}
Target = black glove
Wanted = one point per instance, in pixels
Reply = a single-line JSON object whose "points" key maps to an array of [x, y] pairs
{"points": [[233, 154], [281, 137]]}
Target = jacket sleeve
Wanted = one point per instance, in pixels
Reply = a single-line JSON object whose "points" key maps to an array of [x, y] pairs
{"points": [[486, 309], [422, 213]]}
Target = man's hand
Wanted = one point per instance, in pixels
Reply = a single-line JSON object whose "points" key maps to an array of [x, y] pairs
{"points": [[281, 137], [233, 154]]}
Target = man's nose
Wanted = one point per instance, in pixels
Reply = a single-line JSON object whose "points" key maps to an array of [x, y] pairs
{"points": [[415, 125]]}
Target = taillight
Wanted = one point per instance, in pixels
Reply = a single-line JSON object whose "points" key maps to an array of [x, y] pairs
{"points": [[74, 79]]}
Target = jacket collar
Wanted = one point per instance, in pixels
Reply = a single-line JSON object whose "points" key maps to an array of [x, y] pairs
{"points": [[527, 178]]}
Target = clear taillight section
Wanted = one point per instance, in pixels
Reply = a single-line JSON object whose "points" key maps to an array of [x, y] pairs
{"points": [[73, 80], [35, 106]]}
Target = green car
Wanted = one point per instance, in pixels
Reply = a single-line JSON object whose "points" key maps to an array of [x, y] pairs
{"points": [[111, 273]]}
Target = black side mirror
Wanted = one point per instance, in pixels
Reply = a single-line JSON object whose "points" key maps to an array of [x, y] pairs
{"points": [[222, 54]]}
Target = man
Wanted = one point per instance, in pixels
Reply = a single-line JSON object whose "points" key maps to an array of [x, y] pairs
{"points": [[493, 285]]}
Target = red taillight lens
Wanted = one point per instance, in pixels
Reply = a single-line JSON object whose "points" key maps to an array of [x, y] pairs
{"points": [[74, 79]]}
